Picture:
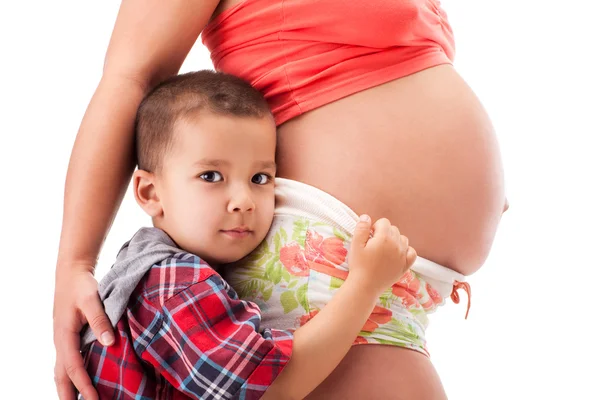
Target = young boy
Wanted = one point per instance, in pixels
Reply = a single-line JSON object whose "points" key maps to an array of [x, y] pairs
{"points": [[205, 147]]}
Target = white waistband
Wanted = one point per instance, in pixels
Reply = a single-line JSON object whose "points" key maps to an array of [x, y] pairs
{"points": [[302, 200]]}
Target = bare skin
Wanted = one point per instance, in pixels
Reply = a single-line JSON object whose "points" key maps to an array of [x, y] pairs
{"points": [[420, 151]]}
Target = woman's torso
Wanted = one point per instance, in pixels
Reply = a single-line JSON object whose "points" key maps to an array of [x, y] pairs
{"points": [[421, 151]]}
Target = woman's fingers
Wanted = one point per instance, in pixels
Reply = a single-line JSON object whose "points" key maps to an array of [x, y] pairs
{"points": [[70, 368], [64, 387], [98, 320]]}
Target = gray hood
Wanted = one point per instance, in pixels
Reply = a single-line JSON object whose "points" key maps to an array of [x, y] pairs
{"points": [[148, 246]]}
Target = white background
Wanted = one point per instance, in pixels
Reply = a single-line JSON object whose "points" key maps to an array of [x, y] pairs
{"points": [[533, 328]]}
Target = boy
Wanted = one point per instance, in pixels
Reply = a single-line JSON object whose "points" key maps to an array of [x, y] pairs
{"points": [[205, 147]]}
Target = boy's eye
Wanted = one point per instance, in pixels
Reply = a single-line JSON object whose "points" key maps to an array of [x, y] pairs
{"points": [[261, 179], [211, 176]]}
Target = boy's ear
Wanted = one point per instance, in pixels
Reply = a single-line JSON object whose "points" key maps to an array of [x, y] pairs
{"points": [[146, 195]]}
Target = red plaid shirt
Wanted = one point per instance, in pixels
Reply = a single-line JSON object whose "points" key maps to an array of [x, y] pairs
{"points": [[185, 334]]}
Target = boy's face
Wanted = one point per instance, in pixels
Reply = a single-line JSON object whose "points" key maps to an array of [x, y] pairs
{"points": [[216, 187]]}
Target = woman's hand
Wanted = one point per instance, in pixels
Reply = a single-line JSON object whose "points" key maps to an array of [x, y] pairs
{"points": [[76, 303], [378, 260]]}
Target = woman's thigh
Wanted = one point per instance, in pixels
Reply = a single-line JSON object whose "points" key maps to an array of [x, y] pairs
{"points": [[382, 372]]}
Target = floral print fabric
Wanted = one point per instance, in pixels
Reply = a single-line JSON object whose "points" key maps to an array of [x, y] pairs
{"points": [[299, 266]]}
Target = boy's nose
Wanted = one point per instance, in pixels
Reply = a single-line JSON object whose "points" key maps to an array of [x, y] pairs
{"points": [[241, 202]]}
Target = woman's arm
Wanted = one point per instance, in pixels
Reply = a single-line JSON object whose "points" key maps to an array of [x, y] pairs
{"points": [[150, 40]]}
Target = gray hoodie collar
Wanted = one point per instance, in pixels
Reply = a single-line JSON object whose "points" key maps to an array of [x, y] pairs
{"points": [[147, 247]]}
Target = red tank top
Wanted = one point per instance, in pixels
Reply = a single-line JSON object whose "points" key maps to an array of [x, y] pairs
{"points": [[302, 54]]}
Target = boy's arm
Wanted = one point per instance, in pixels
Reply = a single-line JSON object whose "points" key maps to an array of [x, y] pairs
{"points": [[378, 258], [320, 345], [209, 345]]}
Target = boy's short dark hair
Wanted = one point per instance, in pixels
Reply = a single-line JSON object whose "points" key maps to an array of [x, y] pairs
{"points": [[182, 96]]}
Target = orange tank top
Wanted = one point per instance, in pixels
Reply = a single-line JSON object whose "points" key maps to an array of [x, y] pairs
{"points": [[302, 54]]}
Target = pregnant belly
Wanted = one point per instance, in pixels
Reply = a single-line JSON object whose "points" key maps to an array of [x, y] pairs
{"points": [[419, 151], [381, 372], [422, 152]]}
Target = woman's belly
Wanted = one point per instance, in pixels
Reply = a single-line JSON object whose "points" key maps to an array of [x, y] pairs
{"points": [[420, 151], [383, 373]]}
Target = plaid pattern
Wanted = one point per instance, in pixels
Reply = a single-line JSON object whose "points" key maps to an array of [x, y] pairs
{"points": [[185, 334]]}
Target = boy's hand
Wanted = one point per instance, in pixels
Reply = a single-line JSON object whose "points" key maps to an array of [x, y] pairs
{"points": [[379, 261]]}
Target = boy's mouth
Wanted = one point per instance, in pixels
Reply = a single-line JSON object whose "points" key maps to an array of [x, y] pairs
{"points": [[237, 232]]}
